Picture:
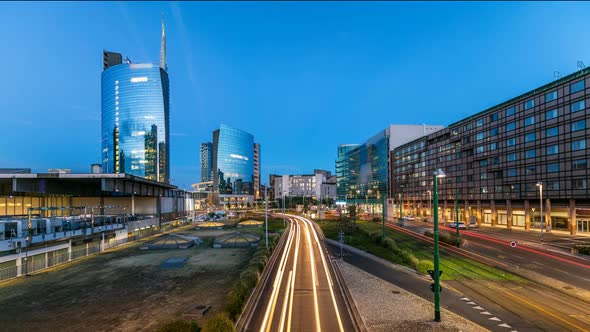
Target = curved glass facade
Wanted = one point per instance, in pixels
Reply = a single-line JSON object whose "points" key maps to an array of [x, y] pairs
{"points": [[135, 121], [233, 161]]}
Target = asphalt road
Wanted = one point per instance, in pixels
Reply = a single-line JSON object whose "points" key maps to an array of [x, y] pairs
{"points": [[301, 294], [533, 305]]}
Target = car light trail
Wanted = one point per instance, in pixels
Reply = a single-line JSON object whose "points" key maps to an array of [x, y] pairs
{"points": [[293, 279], [314, 280], [488, 238], [278, 277], [327, 276]]}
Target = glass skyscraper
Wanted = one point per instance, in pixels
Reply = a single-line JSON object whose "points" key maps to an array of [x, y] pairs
{"points": [[206, 161], [233, 161], [135, 116]]}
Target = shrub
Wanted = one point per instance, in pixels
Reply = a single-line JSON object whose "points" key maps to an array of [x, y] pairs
{"points": [[446, 238], [376, 219], [390, 243], [375, 236], [424, 265], [179, 325], [219, 323]]}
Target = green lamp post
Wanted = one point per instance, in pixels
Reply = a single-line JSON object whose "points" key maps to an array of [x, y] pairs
{"points": [[436, 174]]}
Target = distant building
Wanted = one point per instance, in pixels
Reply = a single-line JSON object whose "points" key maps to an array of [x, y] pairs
{"points": [[363, 170], [60, 170], [206, 162], [15, 170], [257, 189], [135, 116], [233, 161], [206, 186], [318, 185]]}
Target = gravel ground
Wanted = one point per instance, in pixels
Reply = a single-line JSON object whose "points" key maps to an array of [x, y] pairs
{"points": [[386, 307]]}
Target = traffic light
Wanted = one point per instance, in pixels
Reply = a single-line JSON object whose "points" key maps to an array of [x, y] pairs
{"points": [[439, 288], [431, 272]]}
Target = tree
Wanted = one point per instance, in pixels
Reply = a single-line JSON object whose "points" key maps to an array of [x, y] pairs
{"points": [[351, 210]]}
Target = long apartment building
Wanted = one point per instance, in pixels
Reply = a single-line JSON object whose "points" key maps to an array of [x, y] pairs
{"points": [[494, 160]]}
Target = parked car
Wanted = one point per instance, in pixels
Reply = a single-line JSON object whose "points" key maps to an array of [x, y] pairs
{"points": [[409, 218], [461, 225]]}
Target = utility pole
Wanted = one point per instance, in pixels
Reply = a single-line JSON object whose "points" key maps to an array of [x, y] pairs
{"points": [[265, 217], [457, 215]]}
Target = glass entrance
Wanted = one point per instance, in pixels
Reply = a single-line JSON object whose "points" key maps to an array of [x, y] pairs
{"points": [[584, 225]]}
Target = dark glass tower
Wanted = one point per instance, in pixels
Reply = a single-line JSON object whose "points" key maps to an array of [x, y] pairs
{"points": [[135, 116]]}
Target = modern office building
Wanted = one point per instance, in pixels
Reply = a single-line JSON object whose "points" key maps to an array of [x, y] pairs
{"points": [[320, 184], [257, 192], [206, 162], [494, 160], [233, 161], [135, 116], [362, 170]]}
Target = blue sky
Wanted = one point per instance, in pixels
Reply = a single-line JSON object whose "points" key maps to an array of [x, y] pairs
{"points": [[302, 77]]}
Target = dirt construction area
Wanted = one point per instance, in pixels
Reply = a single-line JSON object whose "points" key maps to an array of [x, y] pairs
{"points": [[122, 290]]}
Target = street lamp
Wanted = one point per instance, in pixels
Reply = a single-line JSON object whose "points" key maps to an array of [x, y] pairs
{"points": [[401, 202], [540, 185], [429, 203], [436, 174]]}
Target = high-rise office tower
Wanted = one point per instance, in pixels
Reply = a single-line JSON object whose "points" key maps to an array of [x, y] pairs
{"points": [[135, 116], [206, 162], [256, 181]]}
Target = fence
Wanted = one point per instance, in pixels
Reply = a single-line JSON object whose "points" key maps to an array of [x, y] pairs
{"points": [[34, 263]]}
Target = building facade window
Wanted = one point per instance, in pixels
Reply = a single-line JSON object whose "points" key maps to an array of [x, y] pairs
{"points": [[479, 123], [550, 96], [577, 86], [479, 136], [553, 149], [579, 164], [529, 121], [509, 111], [511, 172], [530, 153], [511, 142], [552, 185], [494, 117], [511, 157], [578, 125], [529, 104], [578, 106], [479, 149], [552, 168], [493, 146], [550, 132], [579, 145], [494, 131], [530, 137], [551, 114], [511, 126], [579, 184]]}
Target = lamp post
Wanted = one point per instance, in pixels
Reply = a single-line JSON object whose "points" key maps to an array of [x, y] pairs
{"points": [[540, 185], [383, 211], [457, 215], [265, 217], [283, 201], [401, 202], [429, 202], [356, 193], [436, 174]]}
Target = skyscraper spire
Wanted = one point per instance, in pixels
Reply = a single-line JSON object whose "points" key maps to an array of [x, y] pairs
{"points": [[163, 47]]}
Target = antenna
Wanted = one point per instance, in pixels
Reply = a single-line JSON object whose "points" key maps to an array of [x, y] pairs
{"points": [[581, 64], [556, 75]]}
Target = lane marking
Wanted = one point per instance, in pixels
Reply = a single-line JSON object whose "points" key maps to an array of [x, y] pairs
{"points": [[538, 308], [478, 308], [496, 319], [472, 303], [486, 313], [465, 299], [505, 325]]}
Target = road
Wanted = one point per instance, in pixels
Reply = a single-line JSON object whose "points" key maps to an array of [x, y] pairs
{"points": [[302, 294], [535, 306]]}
